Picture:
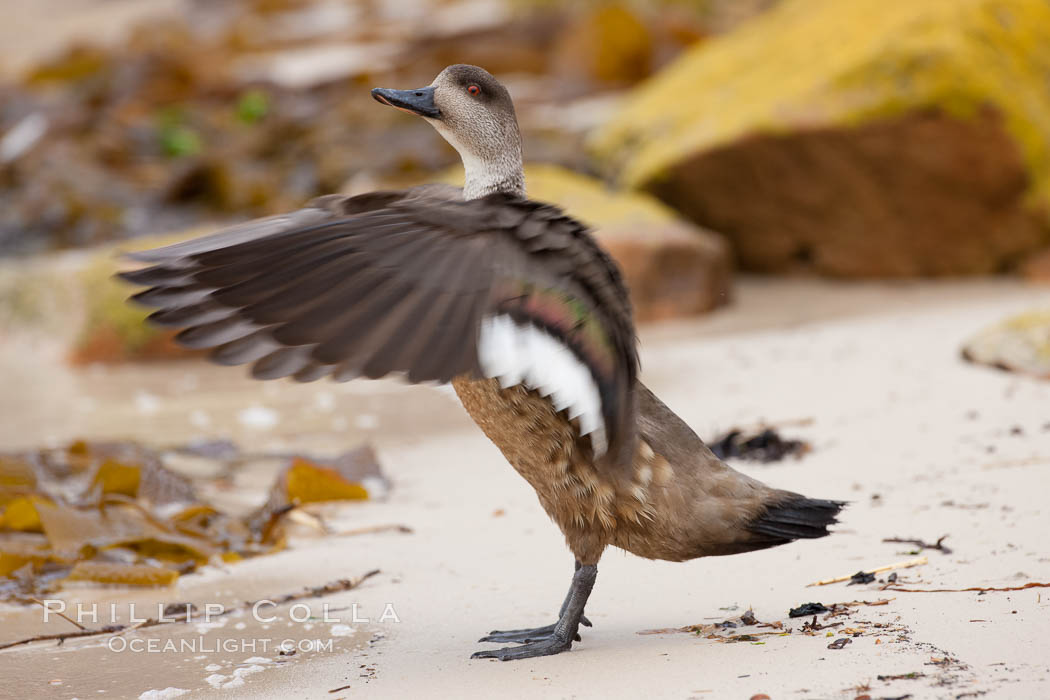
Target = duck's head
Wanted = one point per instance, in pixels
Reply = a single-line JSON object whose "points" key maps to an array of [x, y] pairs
{"points": [[474, 113]]}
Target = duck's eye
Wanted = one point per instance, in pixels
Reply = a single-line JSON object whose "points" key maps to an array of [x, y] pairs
{"points": [[474, 90]]}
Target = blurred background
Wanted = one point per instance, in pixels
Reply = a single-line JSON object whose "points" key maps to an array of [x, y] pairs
{"points": [[704, 139], [848, 139]]}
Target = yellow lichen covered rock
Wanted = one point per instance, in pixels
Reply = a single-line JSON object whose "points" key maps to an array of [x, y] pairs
{"points": [[855, 137]]}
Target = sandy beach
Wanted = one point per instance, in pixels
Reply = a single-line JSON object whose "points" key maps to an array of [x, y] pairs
{"points": [[921, 443]]}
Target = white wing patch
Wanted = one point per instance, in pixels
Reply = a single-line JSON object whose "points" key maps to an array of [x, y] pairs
{"points": [[527, 355]]}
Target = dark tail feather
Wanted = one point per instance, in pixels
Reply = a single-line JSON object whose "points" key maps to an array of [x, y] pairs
{"points": [[796, 518]]}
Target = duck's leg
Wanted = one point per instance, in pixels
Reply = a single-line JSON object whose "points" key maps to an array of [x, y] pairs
{"points": [[533, 634], [552, 639]]}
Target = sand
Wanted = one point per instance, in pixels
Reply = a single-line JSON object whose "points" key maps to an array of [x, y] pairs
{"points": [[921, 443]]}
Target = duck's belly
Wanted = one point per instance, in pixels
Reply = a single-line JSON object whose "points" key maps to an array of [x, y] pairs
{"points": [[545, 448], [538, 442]]}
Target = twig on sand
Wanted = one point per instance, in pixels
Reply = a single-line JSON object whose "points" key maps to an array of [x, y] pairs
{"points": [[138, 625], [343, 584], [65, 617], [1023, 462], [1033, 584], [338, 586], [63, 636], [372, 529], [921, 544], [919, 561]]}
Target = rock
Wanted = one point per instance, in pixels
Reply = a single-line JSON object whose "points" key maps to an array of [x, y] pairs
{"points": [[72, 300], [1018, 344], [1036, 267], [107, 327], [672, 267], [855, 137], [114, 330]]}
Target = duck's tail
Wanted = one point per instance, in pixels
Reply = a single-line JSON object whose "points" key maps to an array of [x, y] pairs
{"points": [[795, 517]]}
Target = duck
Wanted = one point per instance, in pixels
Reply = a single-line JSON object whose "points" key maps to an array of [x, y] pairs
{"points": [[515, 304]]}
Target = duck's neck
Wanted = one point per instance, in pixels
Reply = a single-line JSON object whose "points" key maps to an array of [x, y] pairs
{"points": [[497, 169], [484, 177]]}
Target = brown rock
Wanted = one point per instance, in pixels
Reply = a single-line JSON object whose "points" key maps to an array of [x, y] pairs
{"points": [[673, 268], [1036, 268], [920, 195]]}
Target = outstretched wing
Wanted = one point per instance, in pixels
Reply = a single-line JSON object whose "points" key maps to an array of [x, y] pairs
{"points": [[498, 287]]}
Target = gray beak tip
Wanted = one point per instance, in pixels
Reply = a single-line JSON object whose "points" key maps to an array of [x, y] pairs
{"points": [[419, 102]]}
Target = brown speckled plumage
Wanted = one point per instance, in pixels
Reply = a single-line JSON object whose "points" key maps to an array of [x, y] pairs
{"points": [[544, 447], [679, 501]]}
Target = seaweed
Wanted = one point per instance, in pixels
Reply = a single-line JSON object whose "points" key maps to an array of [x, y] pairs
{"points": [[112, 513]]}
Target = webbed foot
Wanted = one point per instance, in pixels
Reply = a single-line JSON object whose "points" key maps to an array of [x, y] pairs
{"points": [[550, 639], [552, 644], [529, 634]]}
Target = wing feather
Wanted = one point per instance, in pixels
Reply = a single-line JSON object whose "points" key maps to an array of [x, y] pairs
{"points": [[413, 284], [246, 349], [282, 363], [249, 231], [220, 332], [195, 314]]}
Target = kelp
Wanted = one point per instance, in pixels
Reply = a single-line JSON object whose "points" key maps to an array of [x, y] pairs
{"points": [[122, 574], [306, 482], [17, 477], [114, 514], [313, 480]]}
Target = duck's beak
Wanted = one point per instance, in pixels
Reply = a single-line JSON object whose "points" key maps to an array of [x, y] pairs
{"points": [[419, 101]]}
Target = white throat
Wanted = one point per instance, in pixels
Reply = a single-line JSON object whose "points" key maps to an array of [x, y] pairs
{"points": [[482, 176]]}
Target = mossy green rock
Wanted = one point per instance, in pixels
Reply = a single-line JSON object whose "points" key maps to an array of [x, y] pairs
{"points": [[113, 328], [74, 299], [855, 137]]}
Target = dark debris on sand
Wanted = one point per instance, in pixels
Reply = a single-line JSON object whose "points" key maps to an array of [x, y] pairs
{"points": [[764, 446], [861, 577], [807, 609]]}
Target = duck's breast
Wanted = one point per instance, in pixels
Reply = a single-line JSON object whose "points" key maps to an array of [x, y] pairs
{"points": [[544, 446]]}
